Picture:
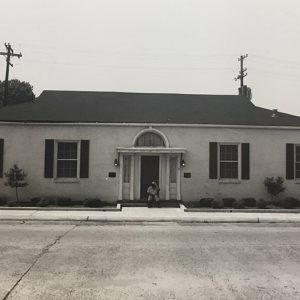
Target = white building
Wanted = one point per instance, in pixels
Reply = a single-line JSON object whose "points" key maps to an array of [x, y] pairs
{"points": [[112, 145]]}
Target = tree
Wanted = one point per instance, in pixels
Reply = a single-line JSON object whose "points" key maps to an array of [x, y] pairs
{"points": [[18, 91], [274, 186], [16, 178]]}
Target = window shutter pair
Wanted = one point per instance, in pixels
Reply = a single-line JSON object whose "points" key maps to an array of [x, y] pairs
{"points": [[84, 158], [1, 156], [213, 160]]}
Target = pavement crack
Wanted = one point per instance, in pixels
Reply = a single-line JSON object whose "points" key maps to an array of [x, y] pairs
{"points": [[33, 213], [44, 251]]}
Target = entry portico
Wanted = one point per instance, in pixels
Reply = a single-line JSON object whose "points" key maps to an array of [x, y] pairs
{"points": [[150, 158]]}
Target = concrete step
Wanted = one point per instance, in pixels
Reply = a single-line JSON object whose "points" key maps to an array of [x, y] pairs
{"points": [[143, 203]]}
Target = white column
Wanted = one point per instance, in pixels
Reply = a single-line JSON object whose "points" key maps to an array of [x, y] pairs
{"points": [[131, 177], [167, 177], [139, 176], [121, 177], [178, 178]]}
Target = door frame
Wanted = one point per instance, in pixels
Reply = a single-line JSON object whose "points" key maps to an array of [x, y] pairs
{"points": [[140, 170], [159, 167]]}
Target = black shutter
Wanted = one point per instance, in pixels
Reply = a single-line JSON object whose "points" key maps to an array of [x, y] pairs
{"points": [[1, 157], [49, 158], [245, 161], [213, 160], [290, 164], [84, 158]]}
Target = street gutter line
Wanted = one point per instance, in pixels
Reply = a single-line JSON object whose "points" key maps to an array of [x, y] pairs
{"points": [[44, 251]]}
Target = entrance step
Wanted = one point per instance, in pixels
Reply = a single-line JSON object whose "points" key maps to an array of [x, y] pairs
{"points": [[133, 203], [144, 203]]}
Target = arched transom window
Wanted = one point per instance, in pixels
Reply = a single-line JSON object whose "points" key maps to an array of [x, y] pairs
{"points": [[150, 139]]}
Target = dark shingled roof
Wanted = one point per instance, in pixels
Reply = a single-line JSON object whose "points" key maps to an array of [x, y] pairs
{"points": [[117, 107]]}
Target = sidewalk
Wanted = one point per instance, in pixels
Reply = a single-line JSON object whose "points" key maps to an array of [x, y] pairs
{"points": [[143, 214]]}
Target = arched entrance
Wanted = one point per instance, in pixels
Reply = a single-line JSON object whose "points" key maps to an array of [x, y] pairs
{"points": [[149, 159]]}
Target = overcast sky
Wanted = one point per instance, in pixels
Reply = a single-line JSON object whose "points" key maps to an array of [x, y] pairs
{"points": [[172, 46]]}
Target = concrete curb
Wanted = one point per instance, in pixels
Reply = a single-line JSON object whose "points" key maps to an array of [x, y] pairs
{"points": [[140, 220], [117, 208], [88, 219], [142, 215], [232, 210]]}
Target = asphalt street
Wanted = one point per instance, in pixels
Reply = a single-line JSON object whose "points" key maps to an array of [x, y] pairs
{"points": [[149, 261]]}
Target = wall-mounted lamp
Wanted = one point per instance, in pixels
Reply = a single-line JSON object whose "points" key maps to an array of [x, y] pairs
{"points": [[182, 163], [116, 162]]}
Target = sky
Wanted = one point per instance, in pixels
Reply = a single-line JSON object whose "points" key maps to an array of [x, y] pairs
{"points": [[159, 46]]}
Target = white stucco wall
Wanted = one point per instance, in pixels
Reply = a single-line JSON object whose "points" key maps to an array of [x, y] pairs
{"points": [[25, 145]]}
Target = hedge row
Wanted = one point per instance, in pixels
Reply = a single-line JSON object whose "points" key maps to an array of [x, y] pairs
{"points": [[289, 202], [56, 201]]}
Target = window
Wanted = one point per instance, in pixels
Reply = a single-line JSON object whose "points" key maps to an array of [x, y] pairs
{"points": [[67, 160], [150, 139], [228, 161], [297, 161]]}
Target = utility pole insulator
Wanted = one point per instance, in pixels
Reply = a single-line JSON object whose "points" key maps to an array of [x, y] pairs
{"points": [[9, 53]]}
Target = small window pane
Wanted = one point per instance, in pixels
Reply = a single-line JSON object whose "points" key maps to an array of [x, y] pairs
{"points": [[67, 168], [298, 170], [150, 139], [297, 153], [126, 167], [228, 152], [228, 170], [67, 150], [173, 169]]}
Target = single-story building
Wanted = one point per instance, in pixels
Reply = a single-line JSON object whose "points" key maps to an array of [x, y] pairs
{"points": [[112, 145]]}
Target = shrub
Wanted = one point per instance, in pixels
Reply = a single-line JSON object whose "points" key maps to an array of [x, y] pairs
{"points": [[240, 204], [3, 201], [77, 202], [191, 204], [275, 202], [93, 202], [15, 178], [290, 202], [261, 203], [205, 202], [64, 201], [274, 186], [217, 204], [43, 202], [34, 201], [24, 203], [249, 202], [229, 202]]}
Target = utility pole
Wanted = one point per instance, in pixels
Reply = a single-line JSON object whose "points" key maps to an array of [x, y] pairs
{"points": [[242, 71], [243, 90], [10, 53]]}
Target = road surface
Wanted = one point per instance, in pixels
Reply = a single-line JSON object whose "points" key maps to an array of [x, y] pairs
{"points": [[149, 261]]}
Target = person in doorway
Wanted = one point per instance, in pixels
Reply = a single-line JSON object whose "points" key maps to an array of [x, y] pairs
{"points": [[152, 192]]}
